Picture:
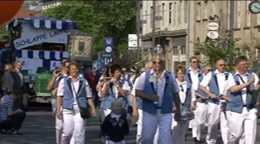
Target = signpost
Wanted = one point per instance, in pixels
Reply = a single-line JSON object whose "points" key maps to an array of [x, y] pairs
{"points": [[132, 42], [213, 28], [107, 56]]}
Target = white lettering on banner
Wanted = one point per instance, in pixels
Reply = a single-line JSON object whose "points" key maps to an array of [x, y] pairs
{"points": [[31, 36]]}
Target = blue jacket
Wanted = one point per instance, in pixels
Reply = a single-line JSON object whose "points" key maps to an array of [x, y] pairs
{"points": [[236, 103], [188, 76], [167, 100], [214, 86], [68, 98], [106, 102]]}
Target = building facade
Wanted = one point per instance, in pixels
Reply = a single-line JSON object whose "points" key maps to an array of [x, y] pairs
{"points": [[170, 29], [180, 25]]}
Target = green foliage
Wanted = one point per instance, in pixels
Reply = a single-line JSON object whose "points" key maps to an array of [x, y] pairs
{"points": [[100, 19], [213, 49]]}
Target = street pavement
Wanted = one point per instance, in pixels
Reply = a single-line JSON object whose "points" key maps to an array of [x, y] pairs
{"points": [[38, 128]]}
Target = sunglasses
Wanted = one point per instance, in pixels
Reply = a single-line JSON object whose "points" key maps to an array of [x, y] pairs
{"points": [[209, 70], [195, 61], [222, 65], [182, 88], [160, 62]]}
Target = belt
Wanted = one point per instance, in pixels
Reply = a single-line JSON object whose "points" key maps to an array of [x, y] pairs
{"points": [[158, 107], [244, 105]]}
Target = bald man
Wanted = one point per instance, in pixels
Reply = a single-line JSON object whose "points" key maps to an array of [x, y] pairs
{"points": [[157, 89]]}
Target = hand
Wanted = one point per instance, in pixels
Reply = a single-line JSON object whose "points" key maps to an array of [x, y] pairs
{"points": [[225, 97], [56, 73], [251, 80], [174, 109], [193, 107], [212, 96], [93, 113], [203, 98], [58, 114], [154, 98], [177, 116], [135, 114]]}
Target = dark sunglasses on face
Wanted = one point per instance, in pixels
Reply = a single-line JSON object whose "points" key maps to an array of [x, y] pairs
{"points": [[195, 61], [160, 62], [209, 70], [222, 65]]}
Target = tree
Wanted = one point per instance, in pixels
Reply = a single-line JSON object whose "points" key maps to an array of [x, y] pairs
{"points": [[101, 19], [220, 48]]}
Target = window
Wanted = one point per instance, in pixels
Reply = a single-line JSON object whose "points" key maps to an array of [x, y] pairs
{"points": [[170, 13], [175, 50], [248, 15], [237, 14], [151, 17], [185, 12], [183, 50], [179, 13], [163, 14]]}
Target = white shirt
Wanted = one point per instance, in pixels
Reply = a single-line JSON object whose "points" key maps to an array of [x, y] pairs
{"points": [[116, 92], [221, 78], [160, 85], [231, 82], [183, 90], [195, 79]]}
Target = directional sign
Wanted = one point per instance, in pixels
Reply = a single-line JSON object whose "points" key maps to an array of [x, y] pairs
{"points": [[132, 41], [213, 35], [109, 41], [213, 26]]}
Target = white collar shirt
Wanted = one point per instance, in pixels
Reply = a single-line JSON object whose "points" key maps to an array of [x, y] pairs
{"points": [[195, 79]]}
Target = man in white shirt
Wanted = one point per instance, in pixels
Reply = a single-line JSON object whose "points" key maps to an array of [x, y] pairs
{"points": [[241, 110], [216, 81]]}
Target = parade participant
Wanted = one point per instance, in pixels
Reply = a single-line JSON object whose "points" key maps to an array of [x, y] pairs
{"points": [[193, 76], [115, 126], [73, 95], [216, 81], [114, 88], [187, 99], [157, 105], [10, 120], [7, 80], [137, 106], [241, 110], [52, 86], [201, 111], [18, 84]]}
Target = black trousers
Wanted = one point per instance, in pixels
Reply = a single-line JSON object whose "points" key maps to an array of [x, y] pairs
{"points": [[13, 122]]}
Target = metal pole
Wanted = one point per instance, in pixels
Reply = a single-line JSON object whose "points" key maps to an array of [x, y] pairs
{"points": [[138, 26], [231, 24], [153, 28]]}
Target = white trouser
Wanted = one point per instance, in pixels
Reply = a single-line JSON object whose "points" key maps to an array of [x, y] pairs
{"points": [[59, 128], [200, 118], [224, 127], [53, 105], [150, 124], [73, 125], [179, 131], [242, 126], [111, 142], [139, 126], [213, 120]]}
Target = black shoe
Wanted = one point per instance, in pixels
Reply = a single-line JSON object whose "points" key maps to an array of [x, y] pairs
{"points": [[16, 133]]}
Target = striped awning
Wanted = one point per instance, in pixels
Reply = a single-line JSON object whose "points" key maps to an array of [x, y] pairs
{"points": [[37, 54], [47, 22]]}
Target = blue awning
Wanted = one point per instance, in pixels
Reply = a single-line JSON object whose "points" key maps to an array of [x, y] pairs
{"points": [[47, 22]]}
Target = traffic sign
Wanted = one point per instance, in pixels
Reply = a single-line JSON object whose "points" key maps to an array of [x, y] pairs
{"points": [[213, 35], [109, 41], [213, 26], [132, 41], [254, 7]]}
